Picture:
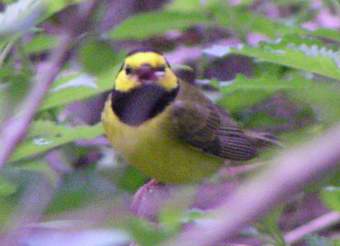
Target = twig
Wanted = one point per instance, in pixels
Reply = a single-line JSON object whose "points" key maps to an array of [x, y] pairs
{"points": [[5, 52], [16, 128], [56, 163], [233, 171], [313, 226], [287, 175]]}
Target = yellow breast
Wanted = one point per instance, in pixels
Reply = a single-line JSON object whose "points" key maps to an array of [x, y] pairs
{"points": [[155, 150]]}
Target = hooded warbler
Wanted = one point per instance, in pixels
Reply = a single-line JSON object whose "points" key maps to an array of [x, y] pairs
{"points": [[166, 127]]}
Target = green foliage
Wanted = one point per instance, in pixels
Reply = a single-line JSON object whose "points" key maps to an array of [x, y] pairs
{"points": [[78, 189], [244, 21], [292, 51], [97, 56], [78, 86], [146, 233], [302, 65], [330, 195], [46, 135], [170, 223], [190, 5], [269, 226], [6, 187], [55, 6], [131, 179], [40, 43], [327, 33], [246, 92], [146, 25]]}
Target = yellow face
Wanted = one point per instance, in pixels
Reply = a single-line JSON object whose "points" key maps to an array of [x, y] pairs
{"points": [[145, 68]]}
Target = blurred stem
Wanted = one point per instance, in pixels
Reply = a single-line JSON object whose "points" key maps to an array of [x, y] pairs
{"points": [[288, 174], [316, 225], [16, 127], [5, 52]]}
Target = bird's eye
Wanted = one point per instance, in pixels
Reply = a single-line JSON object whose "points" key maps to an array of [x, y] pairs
{"points": [[128, 70], [161, 69]]}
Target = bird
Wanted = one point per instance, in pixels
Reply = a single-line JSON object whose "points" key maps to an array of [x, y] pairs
{"points": [[168, 128]]}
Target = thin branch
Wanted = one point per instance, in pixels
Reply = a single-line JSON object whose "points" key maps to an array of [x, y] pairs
{"points": [[287, 175], [16, 128], [5, 52], [231, 171], [316, 225]]}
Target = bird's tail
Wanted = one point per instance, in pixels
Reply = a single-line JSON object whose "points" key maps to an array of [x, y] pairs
{"points": [[262, 139]]}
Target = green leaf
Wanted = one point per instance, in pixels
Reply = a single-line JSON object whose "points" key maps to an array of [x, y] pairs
{"points": [[97, 56], [46, 135], [244, 92], [324, 98], [239, 100], [78, 86], [54, 6], [146, 25], [6, 187], [145, 233], [130, 179], [327, 33], [243, 21], [330, 195], [40, 43], [294, 52], [261, 119], [263, 83], [188, 5]]}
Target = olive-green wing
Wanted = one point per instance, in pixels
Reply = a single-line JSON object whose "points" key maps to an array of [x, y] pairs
{"points": [[209, 129]]}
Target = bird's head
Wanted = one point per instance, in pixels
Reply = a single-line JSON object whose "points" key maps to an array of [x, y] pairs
{"points": [[145, 68]]}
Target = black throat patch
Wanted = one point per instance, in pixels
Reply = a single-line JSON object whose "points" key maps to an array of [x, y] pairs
{"points": [[141, 104]]}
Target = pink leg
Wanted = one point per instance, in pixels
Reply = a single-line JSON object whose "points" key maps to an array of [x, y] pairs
{"points": [[150, 199], [141, 195]]}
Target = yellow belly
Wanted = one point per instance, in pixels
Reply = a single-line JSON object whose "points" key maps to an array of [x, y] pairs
{"points": [[156, 151]]}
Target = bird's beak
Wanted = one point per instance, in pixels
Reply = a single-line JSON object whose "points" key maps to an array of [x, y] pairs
{"points": [[146, 74]]}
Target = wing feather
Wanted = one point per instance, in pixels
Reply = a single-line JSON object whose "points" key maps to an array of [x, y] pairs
{"points": [[207, 127]]}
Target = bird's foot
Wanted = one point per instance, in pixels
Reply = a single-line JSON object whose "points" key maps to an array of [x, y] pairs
{"points": [[141, 193], [149, 199]]}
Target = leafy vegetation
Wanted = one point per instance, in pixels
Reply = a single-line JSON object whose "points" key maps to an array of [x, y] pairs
{"points": [[261, 59]]}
